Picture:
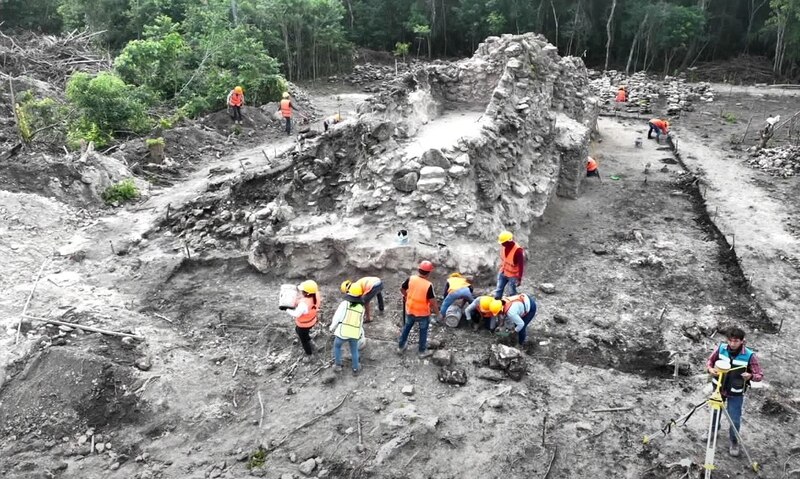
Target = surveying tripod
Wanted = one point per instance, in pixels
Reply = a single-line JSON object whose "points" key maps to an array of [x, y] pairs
{"points": [[717, 406]]}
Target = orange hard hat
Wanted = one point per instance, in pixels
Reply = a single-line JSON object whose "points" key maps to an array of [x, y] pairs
{"points": [[426, 266]]}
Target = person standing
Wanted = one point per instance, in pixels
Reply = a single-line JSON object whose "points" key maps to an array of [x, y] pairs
{"points": [[744, 369], [372, 287], [285, 107], [457, 287], [420, 302], [348, 327], [520, 310], [305, 314], [235, 103], [512, 265]]}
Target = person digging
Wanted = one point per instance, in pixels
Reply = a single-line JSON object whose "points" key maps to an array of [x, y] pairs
{"points": [[592, 169], [457, 288], [518, 312], [659, 126], [483, 311], [736, 382], [420, 302], [372, 287]]}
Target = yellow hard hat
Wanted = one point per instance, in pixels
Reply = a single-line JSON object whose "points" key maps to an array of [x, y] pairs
{"points": [[486, 302], [456, 275], [308, 286], [355, 290], [345, 285], [496, 306], [286, 94], [505, 236], [337, 118], [238, 89]]}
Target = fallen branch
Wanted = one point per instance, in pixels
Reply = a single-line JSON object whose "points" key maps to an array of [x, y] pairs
{"points": [[162, 317], [552, 459], [141, 389], [613, 409], [30, 296], [260, 403], [85, 328], [310, 422]]}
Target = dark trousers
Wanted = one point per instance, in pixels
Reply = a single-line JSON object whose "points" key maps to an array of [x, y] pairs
{"points": [[305, 339], [595, 172], [523, 333], [654, 128], [236, 113], [288, 125]]}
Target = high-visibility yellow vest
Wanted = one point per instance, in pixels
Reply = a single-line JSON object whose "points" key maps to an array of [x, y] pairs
{"points": [[350, 327]]}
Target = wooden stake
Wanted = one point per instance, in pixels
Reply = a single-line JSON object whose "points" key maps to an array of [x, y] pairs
{"points": [[241, 163], [614, 409], [188, 253], [261, 403], [30, 296], [85, 328], [169, 205], [162, 317]]}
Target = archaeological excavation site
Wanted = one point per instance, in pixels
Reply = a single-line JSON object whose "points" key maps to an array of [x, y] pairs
{"points": [[149, 338]]}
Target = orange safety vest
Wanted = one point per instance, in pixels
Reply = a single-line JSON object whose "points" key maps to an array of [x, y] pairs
{"points": [[520, 298], [622, 96], [417, 296], [367, 283], [286, 108], [308, 319], [508, 268], [237, 99], [663, 125], [591, 165], [456, 283]]}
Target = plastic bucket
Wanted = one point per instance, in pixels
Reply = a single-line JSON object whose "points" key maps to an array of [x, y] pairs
{"points": [[453, 316], [402, 237], [663, 140], [288, 296]]}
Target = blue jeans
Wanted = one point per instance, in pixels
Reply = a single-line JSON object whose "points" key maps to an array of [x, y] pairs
{"points": [[523, 333], [423, 331], [463, 293], [734, 405], [502, 281], [375, 291], [337, 351]]}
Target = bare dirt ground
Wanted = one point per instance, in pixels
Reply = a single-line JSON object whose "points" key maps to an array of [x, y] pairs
{"points": [[644, 277]]}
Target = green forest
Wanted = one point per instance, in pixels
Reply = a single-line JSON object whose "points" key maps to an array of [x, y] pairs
{"points": [[187, 54]]}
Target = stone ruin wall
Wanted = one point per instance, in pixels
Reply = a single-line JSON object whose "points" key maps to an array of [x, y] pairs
{"points": [[350, 190]]}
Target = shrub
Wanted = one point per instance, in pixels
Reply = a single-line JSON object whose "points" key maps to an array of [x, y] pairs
{"points": [[41, 119], [258, 458], [106, 105], [729, 117], [154, 141], [120, 192]]}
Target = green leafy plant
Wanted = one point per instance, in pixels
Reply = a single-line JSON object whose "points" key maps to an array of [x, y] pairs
{"points": [[401, 49], [258, 458], [154, 141], [729, 117], [120, 192]]}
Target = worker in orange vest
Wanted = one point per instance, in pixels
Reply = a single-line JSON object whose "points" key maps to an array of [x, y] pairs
{"points": [[483, 311], [285, 107], [420, 301], [622, 95], [661, 127], [371, 287], [512, 264], [591, 168], [518, 312], [305, 314], [235, 104]]}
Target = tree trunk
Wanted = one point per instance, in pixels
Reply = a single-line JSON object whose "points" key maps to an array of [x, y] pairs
{"points": [[574, 27], [752, 10], [433, 26], [298, 47], [285, 30], [235, 13], [555, 20], [776, 65], [444, 26], [350, 10], [635, 42], [608, 32]]}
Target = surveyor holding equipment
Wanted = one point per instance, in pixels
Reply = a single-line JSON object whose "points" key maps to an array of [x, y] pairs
{"points": [[744, 368], [483, 311], [285, 107], [512, 264], [372, 287], [661, 127], [348, 327], [457, 288], [305, 314], [591, 168], [235, 103], [331, 120], [518, 311], [420, 302]]}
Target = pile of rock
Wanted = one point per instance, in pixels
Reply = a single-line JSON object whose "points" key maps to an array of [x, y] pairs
{"points": [[644, 91], [782, 161], [368, 75]]}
